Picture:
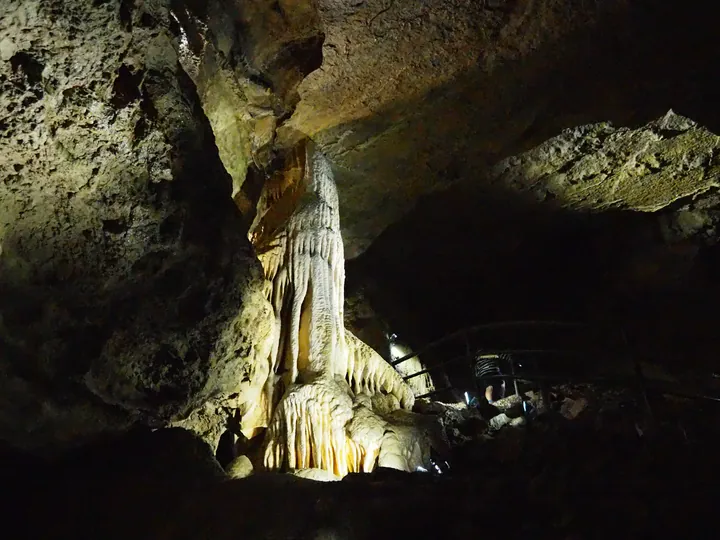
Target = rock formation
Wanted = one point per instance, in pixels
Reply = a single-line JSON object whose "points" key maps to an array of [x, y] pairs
{"points": [[433, 92], [324, 387], [172, 254], [247, 60], [128, 289], [365, 323], [601, 167]]}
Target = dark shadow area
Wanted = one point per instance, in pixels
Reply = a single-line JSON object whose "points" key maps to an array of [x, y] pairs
{"points": [[633, 69], [560, 476], [471, 255]]}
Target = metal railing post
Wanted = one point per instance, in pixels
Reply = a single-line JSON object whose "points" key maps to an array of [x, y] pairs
{"points": [[512, 371], [470, 359]]}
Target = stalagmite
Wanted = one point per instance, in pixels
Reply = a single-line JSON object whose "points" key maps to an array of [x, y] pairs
{"points": [[327, 395]]}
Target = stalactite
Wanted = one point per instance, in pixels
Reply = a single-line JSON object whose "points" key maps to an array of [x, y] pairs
{"points": [[368, 372], [323, 383]]}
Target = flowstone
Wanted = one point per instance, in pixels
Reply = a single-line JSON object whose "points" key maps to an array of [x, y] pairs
{"points": [[328, 397]]}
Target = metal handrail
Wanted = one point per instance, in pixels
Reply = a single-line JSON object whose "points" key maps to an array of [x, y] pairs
{"points": [[463, 332], [653, 384], [491, 352], [639, 378]]}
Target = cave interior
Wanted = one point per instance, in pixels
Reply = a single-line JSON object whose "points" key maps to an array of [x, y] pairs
{"points": [[358, 269]]}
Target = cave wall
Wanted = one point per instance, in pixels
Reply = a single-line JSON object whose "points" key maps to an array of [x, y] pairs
{"points": [[128, 289]]}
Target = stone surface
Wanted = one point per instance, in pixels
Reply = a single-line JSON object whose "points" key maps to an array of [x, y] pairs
{"points": [[162, 487], [240, 467], [389, 106], [209, 420], [327, 392], [369, 327], [571, 408], [247, 60], [602, 167], [361, 320], [318, 475], [412, 97], [128, 291]]}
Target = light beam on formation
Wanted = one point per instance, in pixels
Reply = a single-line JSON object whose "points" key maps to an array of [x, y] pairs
{"points": [[329, 401]]}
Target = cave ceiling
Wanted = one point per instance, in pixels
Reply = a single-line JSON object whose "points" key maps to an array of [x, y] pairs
{"points": [[412, 97]]}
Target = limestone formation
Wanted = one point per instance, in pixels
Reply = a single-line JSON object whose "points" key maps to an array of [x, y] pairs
{"points": [[247, 60], [317, 402], [366, 324], [415, 96], [319, 475], [240, 467], [128, 290], [432, 91], [602, 223], [600, 167]]}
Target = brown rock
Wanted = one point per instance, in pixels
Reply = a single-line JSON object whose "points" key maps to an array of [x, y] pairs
{"points": [[571, 408]]}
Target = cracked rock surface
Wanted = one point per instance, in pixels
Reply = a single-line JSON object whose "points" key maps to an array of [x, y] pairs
{"points": [[608, 225], [128, 291]]}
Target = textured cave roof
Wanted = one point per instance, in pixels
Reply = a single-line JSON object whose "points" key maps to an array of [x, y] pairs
{"points": [[414, 96]]}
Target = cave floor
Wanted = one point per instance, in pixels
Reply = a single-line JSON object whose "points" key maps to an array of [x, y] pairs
{"points": [[584, 471]]}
